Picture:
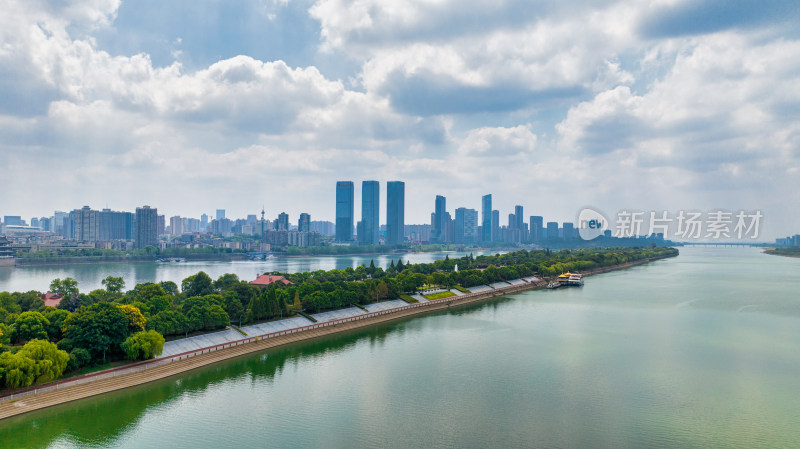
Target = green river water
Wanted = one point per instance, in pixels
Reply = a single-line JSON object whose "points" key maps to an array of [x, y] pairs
{"points": [[702, 350]]}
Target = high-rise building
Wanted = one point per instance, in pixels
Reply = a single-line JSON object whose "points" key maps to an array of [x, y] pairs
{"points": [[220, 214], [146, 226], [115, 225], [569, 230], [370, 212], [176, 225], [439, 223], [520, 224], [204, 223], [537, 233], [85, 224], [344, 211], [59, 219], [325, 228], [304, 223], [46, 224], [282, 224], [486, 222], [395, 212], [12, 220], [465, 226], [552, 230], [495, 225], [161, 224]]}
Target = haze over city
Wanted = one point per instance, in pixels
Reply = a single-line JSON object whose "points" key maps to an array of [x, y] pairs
{"points": [[607, 104]]}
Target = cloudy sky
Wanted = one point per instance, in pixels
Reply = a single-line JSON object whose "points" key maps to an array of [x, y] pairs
{"points": [[194, 105]]}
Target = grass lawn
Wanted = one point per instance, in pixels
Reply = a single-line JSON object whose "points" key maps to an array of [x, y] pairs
{"points": [[408, 299], [439, 295]]}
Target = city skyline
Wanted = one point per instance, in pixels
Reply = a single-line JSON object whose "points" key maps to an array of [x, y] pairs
{"points": [[611, 105]]}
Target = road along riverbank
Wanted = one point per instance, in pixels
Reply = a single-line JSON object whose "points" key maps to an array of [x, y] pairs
{"points": [[125, 377]]}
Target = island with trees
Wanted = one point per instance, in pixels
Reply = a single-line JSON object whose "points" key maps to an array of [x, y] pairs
{"points": [[112, 325]]}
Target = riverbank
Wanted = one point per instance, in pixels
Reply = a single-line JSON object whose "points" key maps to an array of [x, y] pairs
{"points": [[103, 382], [80, 260], [785, 252]]}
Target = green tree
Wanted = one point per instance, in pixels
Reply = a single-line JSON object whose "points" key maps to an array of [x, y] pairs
{"points": [[51, 361], [37, 361], [56, 317], [68, 287], [113, 284], [199, 284], [226, 282], [159, 304], [146, 292], [98, 328], [168, 322], [234, 307], [8, 304], [296, 304], [18, 371], [78, 358], [143, 345], [29, 326], [169, 287]]}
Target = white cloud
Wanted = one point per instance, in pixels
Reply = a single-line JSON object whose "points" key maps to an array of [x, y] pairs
{"points": [[538, 100]]}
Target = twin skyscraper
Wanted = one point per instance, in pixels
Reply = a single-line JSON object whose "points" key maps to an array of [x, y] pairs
{"points": [[368, 228]]}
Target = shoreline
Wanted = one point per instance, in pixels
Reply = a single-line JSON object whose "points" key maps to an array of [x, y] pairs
{"points": [[83, 260], [94, 384]]}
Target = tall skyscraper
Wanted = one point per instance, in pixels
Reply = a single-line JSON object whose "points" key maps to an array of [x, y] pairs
{"points": [[220, 214], [282, 224], [495, 225], [537, 231], [465, 225], [304, 223], [204, 223], [146, 227], [370, 212], [552, 230], [395, 212], [344, 211], [439, 220], [486, 216], [569, 230]]}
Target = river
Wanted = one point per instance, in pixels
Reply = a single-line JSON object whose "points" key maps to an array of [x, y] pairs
{"points": [[700, 350], [89, 276]]}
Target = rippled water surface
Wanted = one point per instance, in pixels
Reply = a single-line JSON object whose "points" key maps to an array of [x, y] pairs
{"points": [[702, 350]]}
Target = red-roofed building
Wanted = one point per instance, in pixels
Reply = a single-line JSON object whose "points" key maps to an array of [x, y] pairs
{"points": [[51, 299], [267, 279]]}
